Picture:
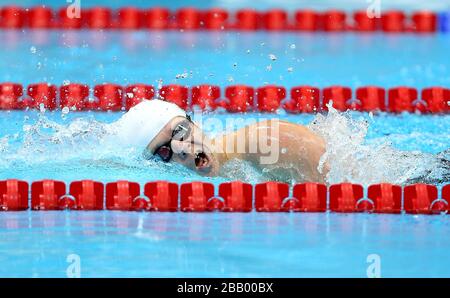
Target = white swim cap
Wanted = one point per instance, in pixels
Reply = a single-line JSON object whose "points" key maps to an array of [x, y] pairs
{"points": [[140, 125]]}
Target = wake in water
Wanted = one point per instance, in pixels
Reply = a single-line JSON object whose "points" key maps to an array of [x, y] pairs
{"points": [[351, 159], [83, 148], [93, 144]]}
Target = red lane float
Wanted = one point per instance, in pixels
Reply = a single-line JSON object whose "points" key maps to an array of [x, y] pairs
{"points": [[175, 93], [393, 21], [275, 19], [446, 193], [403, 99], [386, 198], [124, 195], [237, 196], [216, 19], [340, 96], [156, 18], [188, 18], [334, 21], [88, 195], [13, 195], [12, 17], [247, 19], [98, 18], [163, 196], [129, 18], [74, 96], [240, 98], [312, 197], [307, 20], [304, 99], [40, 17], [47, 195], [347, 197], [269, 98], [136, 93], [42, 96], [205, 97], [67, 21], [109, 97], [274, 197], [198, 196], [437, 99], [362, 22], [423, 199], [371, 98], [10, 94], [424, 22]]}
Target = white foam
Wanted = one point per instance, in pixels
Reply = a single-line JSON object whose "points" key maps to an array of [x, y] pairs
{"points": [[351, 158]]}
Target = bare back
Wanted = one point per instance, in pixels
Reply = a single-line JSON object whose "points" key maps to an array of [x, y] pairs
{"points": [[280, 149]]}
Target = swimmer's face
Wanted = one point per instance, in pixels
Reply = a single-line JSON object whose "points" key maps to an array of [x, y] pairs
{"points": [[183, 142]]}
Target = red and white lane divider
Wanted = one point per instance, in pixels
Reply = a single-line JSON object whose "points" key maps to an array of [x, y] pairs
{"points": [[234, 99], [156, 18], [234, 196]]}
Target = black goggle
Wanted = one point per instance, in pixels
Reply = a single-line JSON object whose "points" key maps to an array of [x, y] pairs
{"points": [[181, 132]]}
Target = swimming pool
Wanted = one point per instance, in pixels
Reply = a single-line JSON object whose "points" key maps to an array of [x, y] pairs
{"points": [[65, 146]]}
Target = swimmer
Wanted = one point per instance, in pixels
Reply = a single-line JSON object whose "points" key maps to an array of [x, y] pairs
{"points": [[283, 151]]}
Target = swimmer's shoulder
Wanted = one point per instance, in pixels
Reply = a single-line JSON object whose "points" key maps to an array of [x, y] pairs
{"points": [[286, 127], [274, 121], [279, 123]]}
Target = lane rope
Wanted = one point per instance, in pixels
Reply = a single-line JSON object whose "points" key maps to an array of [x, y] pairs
{"points": [[236, 196], [233, 99], [189, 18]]}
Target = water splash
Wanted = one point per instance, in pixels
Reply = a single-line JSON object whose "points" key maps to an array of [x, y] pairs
{"points": [[351, 158], [82, 149], [83, 138], [236, 169]]}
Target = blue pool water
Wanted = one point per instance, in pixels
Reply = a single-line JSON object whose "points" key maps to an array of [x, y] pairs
{"points": [[73, 146], [222, 245]]}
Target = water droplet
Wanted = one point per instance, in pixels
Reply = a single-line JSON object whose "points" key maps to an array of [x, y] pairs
{"points": [[181, 75], [33, 50], [272, 57]]}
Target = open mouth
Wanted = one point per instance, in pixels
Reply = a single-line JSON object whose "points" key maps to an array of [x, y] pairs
{"points": [[201, 160]]}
